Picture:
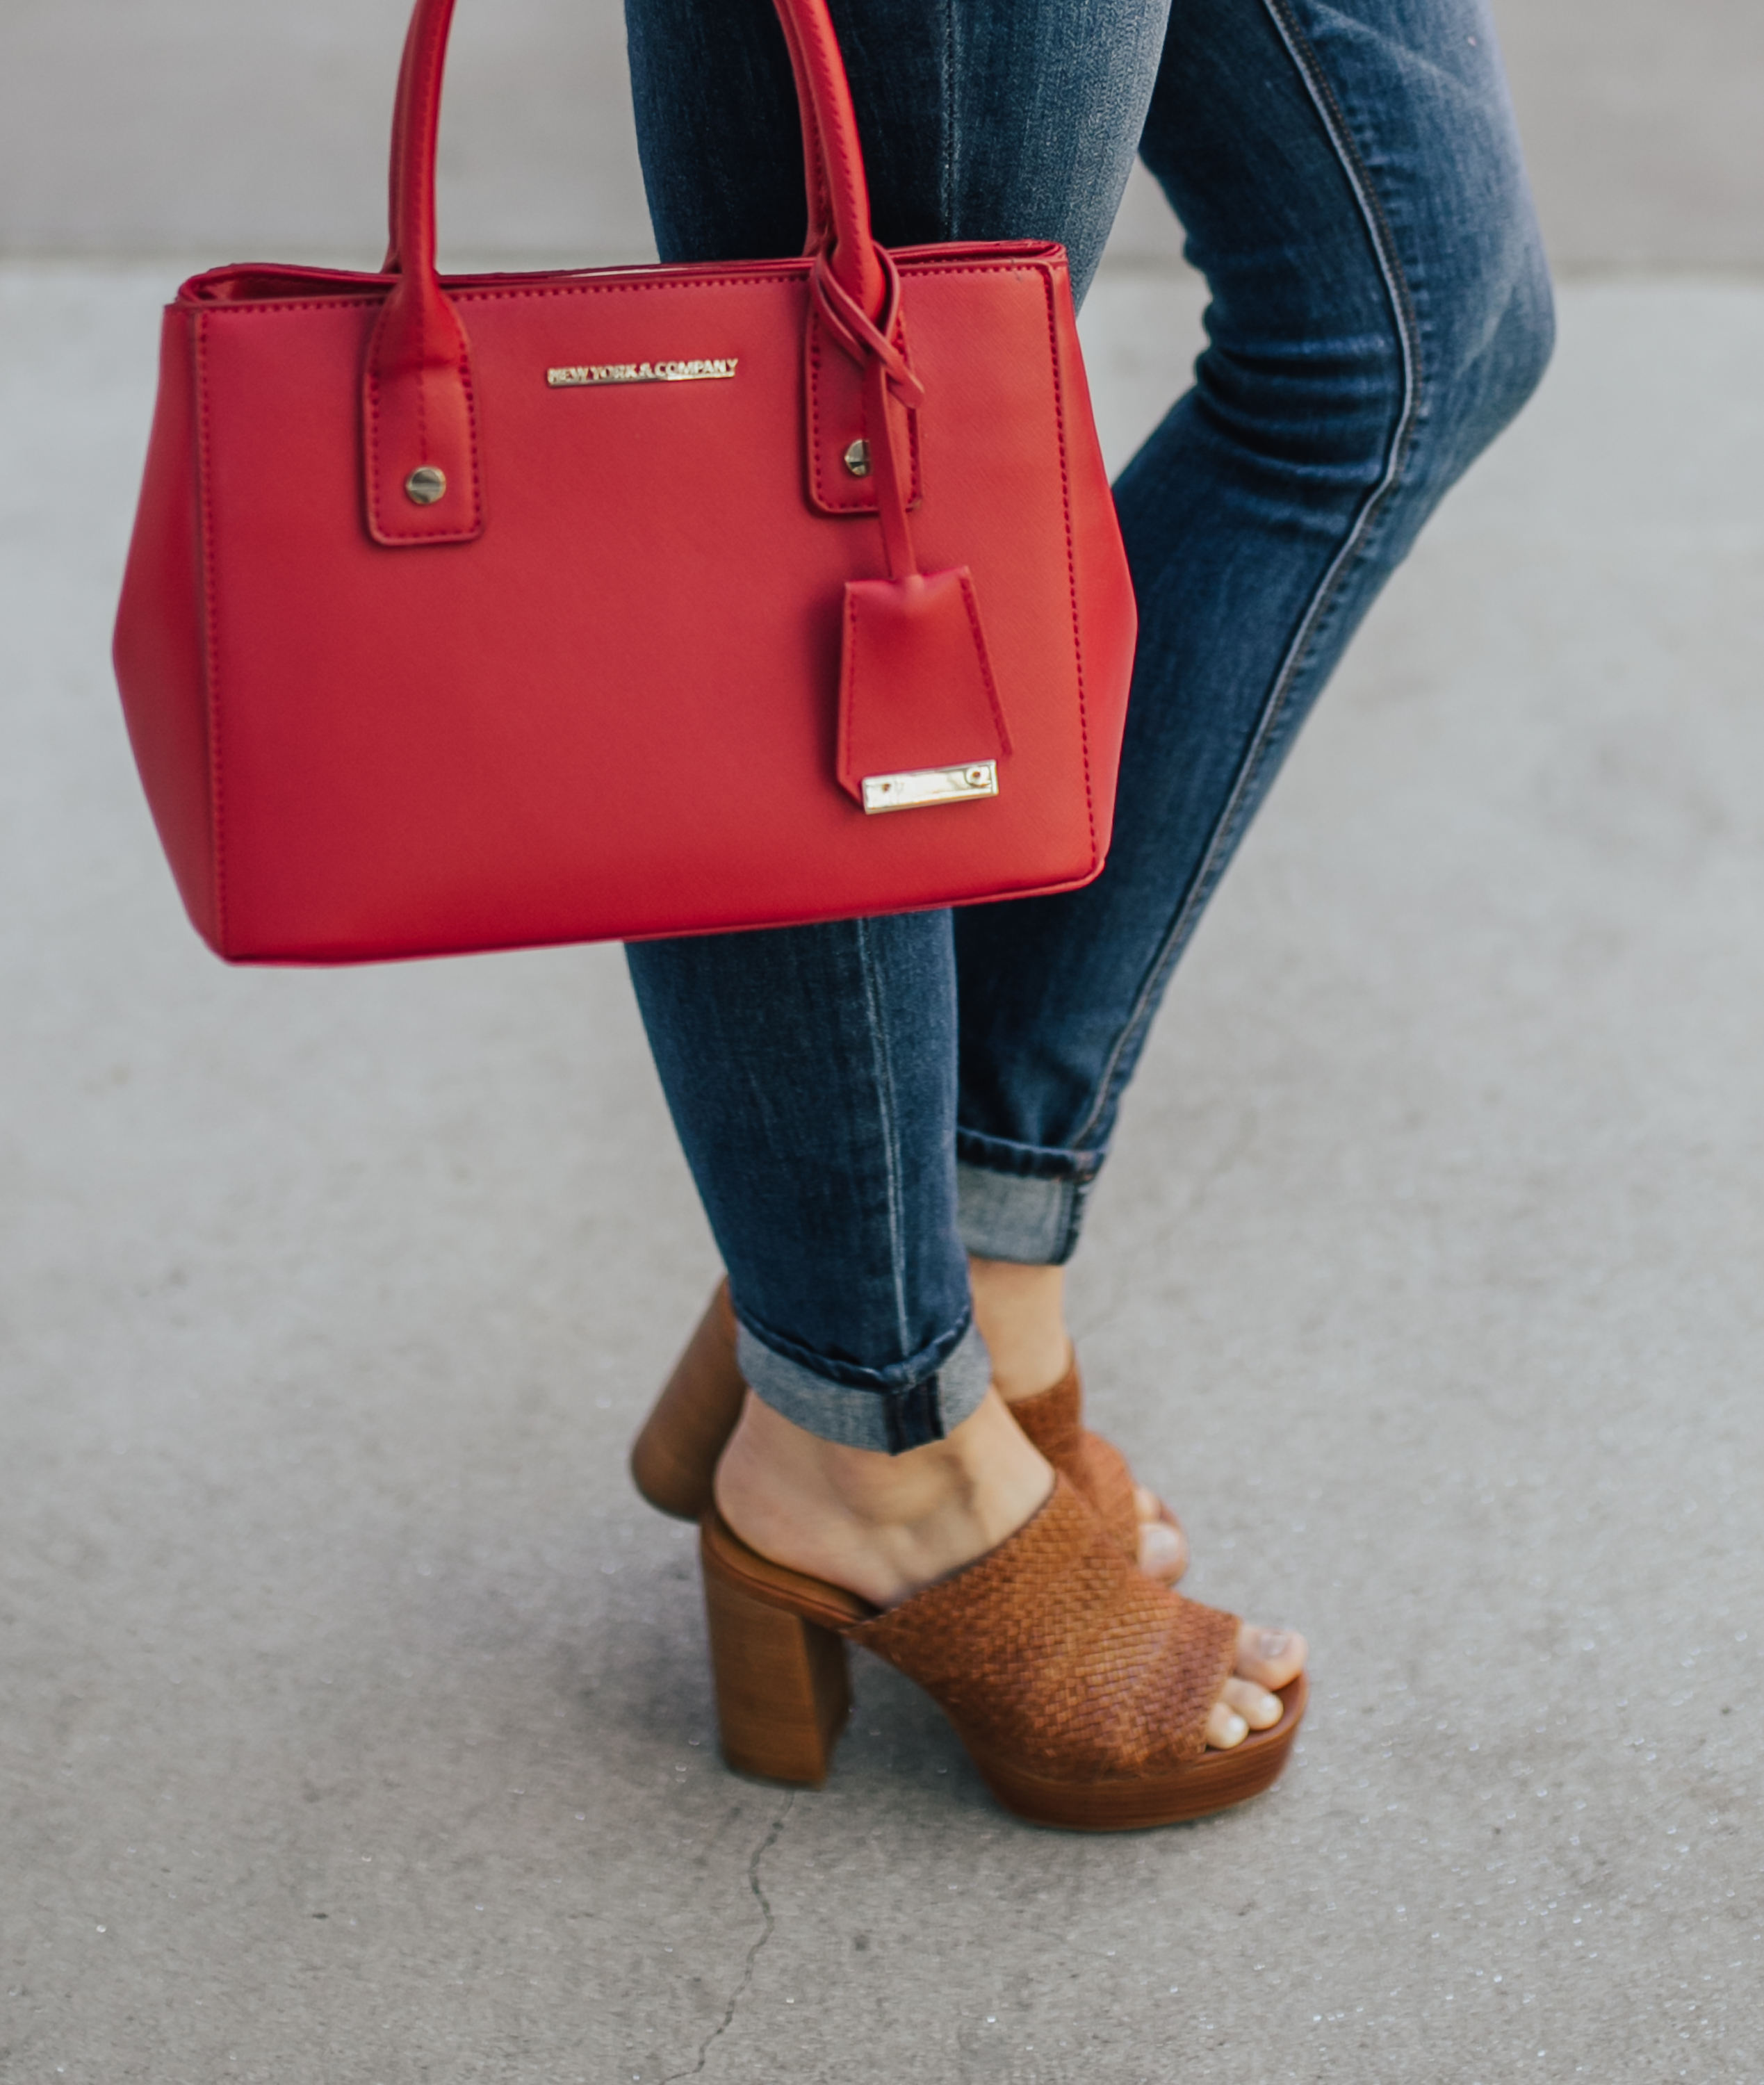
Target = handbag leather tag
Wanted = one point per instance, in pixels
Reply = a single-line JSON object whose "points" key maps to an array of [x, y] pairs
{"points": [[916, 689]]}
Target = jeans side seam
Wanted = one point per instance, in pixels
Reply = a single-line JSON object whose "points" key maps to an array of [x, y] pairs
{"points": [[883, 1070], [1231, 819], [946, 201]]}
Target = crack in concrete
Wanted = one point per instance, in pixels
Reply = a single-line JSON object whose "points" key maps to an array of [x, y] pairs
{"points": [[736, 1996]]}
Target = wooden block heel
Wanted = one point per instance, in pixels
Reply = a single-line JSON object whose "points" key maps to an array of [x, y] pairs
{"points": [[783, 1688]]}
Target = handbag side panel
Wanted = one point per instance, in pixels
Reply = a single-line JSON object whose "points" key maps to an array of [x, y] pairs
{"points": [[1107, 615], [159, 646]]}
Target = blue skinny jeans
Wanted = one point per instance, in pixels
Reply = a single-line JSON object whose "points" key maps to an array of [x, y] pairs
{"points": [[864, 1104]]}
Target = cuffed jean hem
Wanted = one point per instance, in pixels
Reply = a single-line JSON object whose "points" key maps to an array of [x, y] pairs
{"points": [[1005, 1211], [881, 1417]]}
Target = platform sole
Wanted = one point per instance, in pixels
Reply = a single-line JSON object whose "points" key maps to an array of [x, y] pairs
{"points": [[1216, 1781]]}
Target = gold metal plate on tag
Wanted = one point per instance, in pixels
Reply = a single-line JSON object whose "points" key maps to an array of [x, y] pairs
{"points": [[585, 375], [931, 785]]}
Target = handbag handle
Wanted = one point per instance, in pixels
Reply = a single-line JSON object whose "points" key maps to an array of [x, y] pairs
{"points": [[419, 421]]}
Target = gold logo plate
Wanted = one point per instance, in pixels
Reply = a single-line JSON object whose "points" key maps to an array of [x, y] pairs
{"points": [[908, 791], [585, 375]]}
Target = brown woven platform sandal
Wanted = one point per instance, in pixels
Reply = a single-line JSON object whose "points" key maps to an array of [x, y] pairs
{"points": [[1080, 1688], [675, 1458]]}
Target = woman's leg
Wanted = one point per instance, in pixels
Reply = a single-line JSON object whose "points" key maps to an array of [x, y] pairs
{"points": [[980, 119], [811, 1072], [1349, 178]]}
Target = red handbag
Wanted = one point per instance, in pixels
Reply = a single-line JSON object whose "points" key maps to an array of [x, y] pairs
{"points": [[522, 609]]}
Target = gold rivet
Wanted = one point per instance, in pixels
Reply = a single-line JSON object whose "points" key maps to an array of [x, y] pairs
{"points": [[426, 484], [857, 458], [976, 777]]}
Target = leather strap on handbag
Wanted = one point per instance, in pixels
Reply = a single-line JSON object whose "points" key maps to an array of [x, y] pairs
{"points": [[418, 410]]}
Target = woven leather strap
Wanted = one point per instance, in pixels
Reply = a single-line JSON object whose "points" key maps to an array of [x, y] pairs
{"points": [[1054, 1649], [1054, 1421]]}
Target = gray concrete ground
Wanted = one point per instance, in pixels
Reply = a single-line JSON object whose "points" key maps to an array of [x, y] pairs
{"points": [[354, 1718]]}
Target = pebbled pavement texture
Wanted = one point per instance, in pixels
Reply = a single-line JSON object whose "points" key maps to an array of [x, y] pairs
{"points": [[354, 1718]]}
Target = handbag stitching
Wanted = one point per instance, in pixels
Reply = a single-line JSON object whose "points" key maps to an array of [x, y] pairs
{"points": [[848, 695], [217, 871], [579, 287], [1071, 563], [376, 527], [835, 88], [373, 440], [1041, 268], [433, 58], [972, 606], [817, 491], [859, 502], [1032, 887]]}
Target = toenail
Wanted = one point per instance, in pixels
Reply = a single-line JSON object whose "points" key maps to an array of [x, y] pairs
{"points": [[1275, 1643]]}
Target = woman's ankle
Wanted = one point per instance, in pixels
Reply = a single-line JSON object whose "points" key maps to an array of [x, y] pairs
{"points": [[880, 1526], [1020, 1313]]}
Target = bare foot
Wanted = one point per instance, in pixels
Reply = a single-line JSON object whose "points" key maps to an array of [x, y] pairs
{"points": [[1021, 1312], [884, 1526]]}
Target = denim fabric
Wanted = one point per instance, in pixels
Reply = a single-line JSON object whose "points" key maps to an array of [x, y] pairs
{"points": [[813, 1084], [863, 1103], [974, 115]]}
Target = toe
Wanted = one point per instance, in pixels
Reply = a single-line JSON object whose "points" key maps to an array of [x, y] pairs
{"points": [[1258, 1708], [1225, 1727], [1163, 1547], [1164, 1554], [1271, 1658]]}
